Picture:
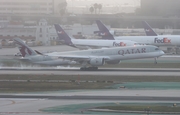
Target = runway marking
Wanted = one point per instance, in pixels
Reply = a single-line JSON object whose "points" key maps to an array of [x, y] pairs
{"points": [[20, 112], [12, 102]]}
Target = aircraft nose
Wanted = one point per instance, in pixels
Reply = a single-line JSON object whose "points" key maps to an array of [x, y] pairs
{"points": [[161, 52]]}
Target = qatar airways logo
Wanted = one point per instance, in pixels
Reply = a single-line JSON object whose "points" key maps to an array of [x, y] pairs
{"points": [[164, 40], [119, 44], [132, 51]]}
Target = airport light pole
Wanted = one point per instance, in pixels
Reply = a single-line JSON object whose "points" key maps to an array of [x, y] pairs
{"points": [[148, 110]]}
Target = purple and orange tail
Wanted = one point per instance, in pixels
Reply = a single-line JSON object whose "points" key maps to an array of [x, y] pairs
{"points": [[147, 28], [104, 31]]}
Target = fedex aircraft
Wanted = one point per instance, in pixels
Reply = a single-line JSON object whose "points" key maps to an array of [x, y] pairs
{"points": [[36, 57], [113, 55], [165, 40], [88, 44]]}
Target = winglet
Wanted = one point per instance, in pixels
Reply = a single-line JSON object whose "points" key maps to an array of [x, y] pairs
{"points": [[63, 35], [104, 30], [147, 28], [23, 48]]}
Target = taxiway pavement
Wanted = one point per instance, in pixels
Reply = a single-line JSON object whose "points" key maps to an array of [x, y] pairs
{"points": [[33, 105], [104, 72]]}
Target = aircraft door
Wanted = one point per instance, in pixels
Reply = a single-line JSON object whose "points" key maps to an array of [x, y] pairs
{"points": [[45, 58]]}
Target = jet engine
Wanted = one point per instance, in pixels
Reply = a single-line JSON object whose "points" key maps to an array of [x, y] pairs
{"points": [[97, 62], [113, 62]]}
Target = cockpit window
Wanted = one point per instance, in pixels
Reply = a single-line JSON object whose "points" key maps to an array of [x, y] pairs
{"points": [[156, 48]]}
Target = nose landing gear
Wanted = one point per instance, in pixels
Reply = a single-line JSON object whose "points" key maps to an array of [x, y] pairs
{"points": [[155, 60]]}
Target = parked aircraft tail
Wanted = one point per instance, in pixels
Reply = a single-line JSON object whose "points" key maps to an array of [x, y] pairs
{"points": [[63, 35], [104, 31], [147, 28], [23, 48]]}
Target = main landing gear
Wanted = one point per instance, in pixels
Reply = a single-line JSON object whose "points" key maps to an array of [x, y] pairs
{"points": [[89, 68], [155, 60]]}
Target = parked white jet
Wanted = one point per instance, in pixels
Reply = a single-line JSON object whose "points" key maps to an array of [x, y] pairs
{"points": [[98, 57], [88, 44], [36, 57]]}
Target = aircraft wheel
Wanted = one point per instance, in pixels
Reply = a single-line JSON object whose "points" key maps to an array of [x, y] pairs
{"points": [[89, 69], [93, 68]]}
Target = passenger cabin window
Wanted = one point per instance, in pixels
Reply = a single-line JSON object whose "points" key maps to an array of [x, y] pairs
{"points": [[156, 48]]}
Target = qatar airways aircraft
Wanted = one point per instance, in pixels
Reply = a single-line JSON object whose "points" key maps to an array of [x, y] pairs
{"points": [[89, 44], [93, 57], [165, 40]]}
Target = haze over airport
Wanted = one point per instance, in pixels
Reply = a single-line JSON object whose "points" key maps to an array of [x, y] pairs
{"points": [[82, 57]]}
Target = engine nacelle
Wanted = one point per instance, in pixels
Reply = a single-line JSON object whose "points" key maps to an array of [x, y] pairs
{"points": [[113, 62], [97, 62]]}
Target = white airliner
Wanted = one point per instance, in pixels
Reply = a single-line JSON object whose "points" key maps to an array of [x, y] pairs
{"points": [[98, 57], [88, 44], [93, 57], [165, 40], [36, 57]]}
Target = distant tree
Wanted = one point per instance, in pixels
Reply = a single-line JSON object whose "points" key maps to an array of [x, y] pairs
{"points": [[138, 11], [99, 7], [95, 7], [62, 8], [91, 9]]}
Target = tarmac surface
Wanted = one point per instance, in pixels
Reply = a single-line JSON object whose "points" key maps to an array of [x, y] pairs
{"points": [[105, 72], [34, 103]]}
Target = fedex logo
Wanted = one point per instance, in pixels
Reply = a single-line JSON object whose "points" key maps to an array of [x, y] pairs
{"points": [[104, 34], [164, 40], [60, 32], [119, 44]]}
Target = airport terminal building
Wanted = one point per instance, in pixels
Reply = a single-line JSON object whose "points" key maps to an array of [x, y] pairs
{"points": [[29, 6]]}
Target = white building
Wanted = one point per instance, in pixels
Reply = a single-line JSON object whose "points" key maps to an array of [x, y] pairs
{"points": [[42, 32], [29, 6]]}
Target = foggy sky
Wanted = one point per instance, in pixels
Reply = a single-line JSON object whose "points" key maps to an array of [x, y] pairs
{"points": [[104, 2]]}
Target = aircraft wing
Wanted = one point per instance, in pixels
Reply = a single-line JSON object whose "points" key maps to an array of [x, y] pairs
{"points": [[80, 58], [24, 59]]}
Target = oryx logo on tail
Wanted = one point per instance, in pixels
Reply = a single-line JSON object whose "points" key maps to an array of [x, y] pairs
{"points": [[23, 48], [24, 51]]}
